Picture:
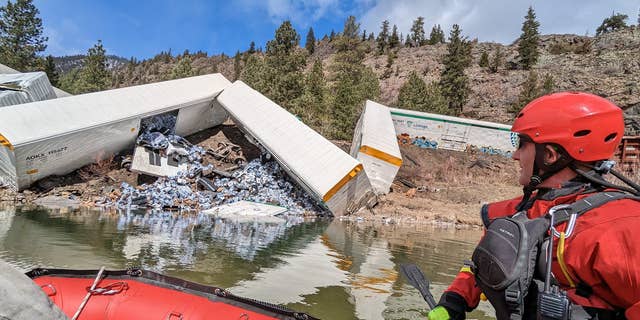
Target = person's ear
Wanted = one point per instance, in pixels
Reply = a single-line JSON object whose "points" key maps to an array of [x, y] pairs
{"points": [[551, 155]]}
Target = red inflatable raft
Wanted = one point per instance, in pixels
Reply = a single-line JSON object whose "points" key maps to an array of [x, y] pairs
{"points": [[141, 294]]}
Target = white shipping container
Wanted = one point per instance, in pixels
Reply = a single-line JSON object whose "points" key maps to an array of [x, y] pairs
{"points": [[59, 93], [55, 137], [435, 131], [375, 145], [325, 171], [21, 88]]}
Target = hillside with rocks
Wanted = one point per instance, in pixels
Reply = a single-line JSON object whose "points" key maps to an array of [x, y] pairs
{"points": [[607, 65]]}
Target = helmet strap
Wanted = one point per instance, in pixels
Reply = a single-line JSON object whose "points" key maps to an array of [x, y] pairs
{"points": [[549, 170]]}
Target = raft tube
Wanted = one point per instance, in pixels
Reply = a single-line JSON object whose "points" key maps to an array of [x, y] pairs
{"points": [[142, 294]]}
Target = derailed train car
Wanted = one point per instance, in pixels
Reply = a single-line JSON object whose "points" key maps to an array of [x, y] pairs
{"points": [[55, 137], [325, 171]]}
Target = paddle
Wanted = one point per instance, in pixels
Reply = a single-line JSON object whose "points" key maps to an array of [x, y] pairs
{"points": [[417, 280]]}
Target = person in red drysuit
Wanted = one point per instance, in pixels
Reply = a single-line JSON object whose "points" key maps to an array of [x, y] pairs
{"points": [[562, 139]]}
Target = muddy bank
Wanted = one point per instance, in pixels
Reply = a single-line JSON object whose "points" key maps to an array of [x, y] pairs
{"points": [[433, 186]]}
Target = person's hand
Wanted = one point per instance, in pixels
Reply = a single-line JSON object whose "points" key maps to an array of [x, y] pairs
{"points": [[438, 313]]}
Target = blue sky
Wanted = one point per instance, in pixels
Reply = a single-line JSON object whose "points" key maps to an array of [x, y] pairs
{"points": [[144, 28]]}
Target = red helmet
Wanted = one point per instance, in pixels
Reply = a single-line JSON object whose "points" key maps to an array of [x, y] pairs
{"points": [[587, 126]]}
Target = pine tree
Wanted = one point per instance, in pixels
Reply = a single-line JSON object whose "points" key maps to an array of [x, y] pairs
{"points": [[496, 61], [312, 105], [332, 36], [252, 48], [283, 66], [237, 67], [416, 95], [254, 74], [21, 36], [351, 28], [310, 43], [94, 75], [548, 85], [436, 36], [454, 84], [69, 81], [371, 37], [383, 37], [484, 60], [182, 69], [50, 70], [417, 33], [353, 82], [528, 41], [394, 40], [615, 22], [529, 91]]}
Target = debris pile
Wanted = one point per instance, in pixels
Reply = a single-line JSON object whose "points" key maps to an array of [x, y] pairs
{"points": [[193, 190]]}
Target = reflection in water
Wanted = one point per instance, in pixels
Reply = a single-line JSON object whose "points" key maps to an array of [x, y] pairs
{"points": [[333, 270]]}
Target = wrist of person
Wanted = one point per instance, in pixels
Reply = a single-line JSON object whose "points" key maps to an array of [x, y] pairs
{"points": [[455, 305]]}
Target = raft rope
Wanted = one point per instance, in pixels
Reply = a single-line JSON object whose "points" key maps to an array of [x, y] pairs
{"points": [[560, 256], [86, 298]]}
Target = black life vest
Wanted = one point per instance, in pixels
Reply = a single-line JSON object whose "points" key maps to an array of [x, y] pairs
{"points": [[505, 261]]}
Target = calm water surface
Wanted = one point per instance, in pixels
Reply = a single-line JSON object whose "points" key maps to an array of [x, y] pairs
{"points": [[330, 269]]}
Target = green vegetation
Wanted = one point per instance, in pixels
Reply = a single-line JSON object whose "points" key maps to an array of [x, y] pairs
{"points": [[436, 36], [394, 39], [353, 82], [417, 36], [531, 90], [484, 60], [528, 41], [50, 69], [92, 76], [310, 43], [182, 69], [21, 38], [415, 94], [497, 60], [383, 37], [454, 84], [615, 22]]}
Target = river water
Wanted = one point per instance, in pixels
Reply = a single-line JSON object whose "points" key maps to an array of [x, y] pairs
{"points": [[330, 269]]}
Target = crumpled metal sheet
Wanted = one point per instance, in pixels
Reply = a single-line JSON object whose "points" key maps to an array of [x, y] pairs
{"points": [[153, 140]]}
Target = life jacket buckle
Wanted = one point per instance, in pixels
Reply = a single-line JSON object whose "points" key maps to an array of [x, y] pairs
{"points": [[513, 297]]}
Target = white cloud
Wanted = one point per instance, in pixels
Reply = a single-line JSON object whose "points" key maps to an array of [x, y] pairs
{"points": [[302, 13], [497, 20]]}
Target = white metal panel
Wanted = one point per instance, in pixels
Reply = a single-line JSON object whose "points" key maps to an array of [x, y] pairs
{"points": [[314, 162], [29, 87], [380, 173], [45, 119], [354, 195], [375, 145], [199, 117], [247, 209], [152, 163], [7, 168], [378, 131], [63, 154], [59, 93], [435, 131]]}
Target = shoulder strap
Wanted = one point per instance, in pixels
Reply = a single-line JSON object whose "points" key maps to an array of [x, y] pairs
{"points": [[591, 202]]}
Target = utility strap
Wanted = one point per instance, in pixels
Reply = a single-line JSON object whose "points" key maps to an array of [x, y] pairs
{"points": [[591, 202]]}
